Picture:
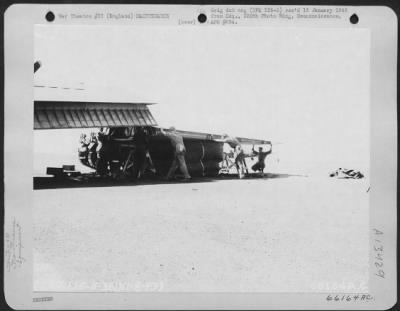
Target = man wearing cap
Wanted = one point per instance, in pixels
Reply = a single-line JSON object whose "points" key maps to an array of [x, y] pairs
{"points": [[141, 142], [260, 165], [179, 153], [239, 153]]}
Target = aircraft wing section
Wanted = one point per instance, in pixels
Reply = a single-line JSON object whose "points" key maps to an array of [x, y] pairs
{"points": [[68, 114], [219, 138], [251, 141]]}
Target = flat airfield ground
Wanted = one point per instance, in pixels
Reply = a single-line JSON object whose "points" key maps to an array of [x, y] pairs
{"points": [[289, 234]]}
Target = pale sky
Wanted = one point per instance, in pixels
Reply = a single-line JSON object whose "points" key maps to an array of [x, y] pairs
{"points": [[305, 87]]}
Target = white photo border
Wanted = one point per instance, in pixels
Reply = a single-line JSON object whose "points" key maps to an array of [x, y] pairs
{"points": [[19, 24]]}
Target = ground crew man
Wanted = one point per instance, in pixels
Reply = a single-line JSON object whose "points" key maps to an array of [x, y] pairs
{"points": [[83, 150], [179, 154], [141, 141], [102, 151], [239, 154], [260, 165]]}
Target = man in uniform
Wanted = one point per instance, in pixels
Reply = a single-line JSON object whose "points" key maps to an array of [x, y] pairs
{"points": [[239, 154], [260, 165], [83, 150], [179, 153], [141, 141]]}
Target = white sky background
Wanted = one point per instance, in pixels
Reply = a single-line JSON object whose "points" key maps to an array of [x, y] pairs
{"points": [[305, 87]]}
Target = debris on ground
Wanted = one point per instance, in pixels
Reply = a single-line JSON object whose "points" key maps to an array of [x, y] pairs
{"points": [[346, 173]]}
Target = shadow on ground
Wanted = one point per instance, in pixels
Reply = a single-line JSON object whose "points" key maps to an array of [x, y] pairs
{"points": [[87, 181]]}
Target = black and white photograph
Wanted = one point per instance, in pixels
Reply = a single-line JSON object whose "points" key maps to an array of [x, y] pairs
{"points": [[201, 157], [200, 160]]}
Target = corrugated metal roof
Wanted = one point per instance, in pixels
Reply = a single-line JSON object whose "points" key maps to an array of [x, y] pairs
{"points": [[58, 115]]}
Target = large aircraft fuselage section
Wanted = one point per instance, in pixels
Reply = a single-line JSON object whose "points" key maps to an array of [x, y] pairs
{"points": [[112, 148]]}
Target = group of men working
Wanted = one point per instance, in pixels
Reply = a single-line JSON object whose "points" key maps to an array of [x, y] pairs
{"points": [[142, 161], [240, 157], [140, 155], [140, 140], [233, 142]]}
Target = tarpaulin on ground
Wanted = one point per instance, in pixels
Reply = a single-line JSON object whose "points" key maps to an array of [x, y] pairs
{"points": [[346, 173]]}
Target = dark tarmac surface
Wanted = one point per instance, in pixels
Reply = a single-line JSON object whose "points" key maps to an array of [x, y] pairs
{"points": [[88, 180]]}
